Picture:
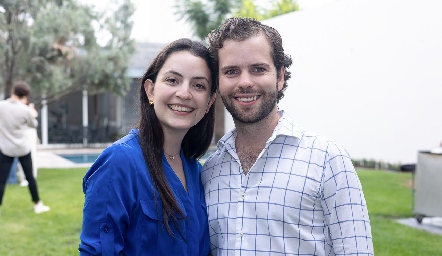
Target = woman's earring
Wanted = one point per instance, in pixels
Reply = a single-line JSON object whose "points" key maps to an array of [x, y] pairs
{"points": [[150, 102]]}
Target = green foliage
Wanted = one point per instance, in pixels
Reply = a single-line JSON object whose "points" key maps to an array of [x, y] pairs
{"points": [[373, 164], [204, 16], [279, 7], [61, 45]]}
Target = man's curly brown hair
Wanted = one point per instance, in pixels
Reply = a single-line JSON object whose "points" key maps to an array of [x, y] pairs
{"points": [[240, 29]]}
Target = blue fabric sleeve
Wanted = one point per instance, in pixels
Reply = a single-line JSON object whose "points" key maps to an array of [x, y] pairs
{"points": [[109, 196]]}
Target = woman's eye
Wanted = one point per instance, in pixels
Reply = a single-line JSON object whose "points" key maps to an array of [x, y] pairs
{"points": [[200, 86], [171, 80]]}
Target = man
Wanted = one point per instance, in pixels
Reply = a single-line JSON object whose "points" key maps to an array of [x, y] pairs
{"points": [[272, 187], [15, 118]]}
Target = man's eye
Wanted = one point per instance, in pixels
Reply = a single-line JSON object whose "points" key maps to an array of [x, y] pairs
{"points": [[258, 69], [230, 72]]}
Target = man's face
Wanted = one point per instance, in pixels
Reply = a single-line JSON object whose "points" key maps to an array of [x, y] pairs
{"points": [[248, 82]]}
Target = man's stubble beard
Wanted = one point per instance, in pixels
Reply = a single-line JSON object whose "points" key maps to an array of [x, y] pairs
{"points": [[269, 101]]}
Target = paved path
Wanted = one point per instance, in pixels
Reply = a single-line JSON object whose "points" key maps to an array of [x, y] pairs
{"points": [[49, 158], [430, 224]]}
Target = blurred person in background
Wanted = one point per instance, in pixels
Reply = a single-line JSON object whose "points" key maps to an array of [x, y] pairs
{"points": [[16, 117], [31, 133]]}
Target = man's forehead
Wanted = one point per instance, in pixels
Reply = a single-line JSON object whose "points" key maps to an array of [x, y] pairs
{"points": [[251, 51]]}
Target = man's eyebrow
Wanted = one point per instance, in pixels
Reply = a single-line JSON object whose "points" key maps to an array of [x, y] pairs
{"points": [[261, 64], [228, 67]]}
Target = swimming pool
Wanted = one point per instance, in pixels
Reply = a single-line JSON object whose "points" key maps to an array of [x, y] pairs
{"points": [[81, 158], [90, 158]]}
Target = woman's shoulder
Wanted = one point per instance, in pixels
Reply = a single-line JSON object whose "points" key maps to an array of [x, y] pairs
{"points": [[130, 139], [120, 157]]}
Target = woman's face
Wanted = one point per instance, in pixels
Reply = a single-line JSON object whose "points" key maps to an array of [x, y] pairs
{"points": [[181, 93]]}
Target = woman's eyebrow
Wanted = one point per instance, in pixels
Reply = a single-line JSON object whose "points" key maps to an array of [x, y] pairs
{"points": [[174, 72], [201, 77]]}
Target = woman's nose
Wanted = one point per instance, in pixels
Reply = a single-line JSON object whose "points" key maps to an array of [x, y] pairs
{"points": [[184, 91]]}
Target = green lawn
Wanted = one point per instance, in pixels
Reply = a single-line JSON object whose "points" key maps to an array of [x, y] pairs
{"points": [[52, 233], [57, 232], [389, 197]]}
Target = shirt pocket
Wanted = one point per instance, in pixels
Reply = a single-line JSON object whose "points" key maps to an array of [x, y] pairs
{"points": [[153, 232]]}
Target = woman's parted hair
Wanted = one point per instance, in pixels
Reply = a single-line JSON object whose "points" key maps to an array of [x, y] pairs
{"points": [[196, 141], [240, 29]]}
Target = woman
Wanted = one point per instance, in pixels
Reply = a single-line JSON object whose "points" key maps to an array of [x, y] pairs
{"points": [[143, 194]]}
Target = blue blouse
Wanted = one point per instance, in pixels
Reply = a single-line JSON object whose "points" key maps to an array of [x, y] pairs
{"points": [[122, 212]]}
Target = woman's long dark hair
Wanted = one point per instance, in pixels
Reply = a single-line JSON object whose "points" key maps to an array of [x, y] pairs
{"points": [[195, 142]]}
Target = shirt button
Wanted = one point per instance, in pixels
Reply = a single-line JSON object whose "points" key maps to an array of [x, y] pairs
{"points": [[105, 228]]}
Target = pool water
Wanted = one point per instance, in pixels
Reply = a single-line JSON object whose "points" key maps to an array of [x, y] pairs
{"points": [[81, 158], [90, 158]]}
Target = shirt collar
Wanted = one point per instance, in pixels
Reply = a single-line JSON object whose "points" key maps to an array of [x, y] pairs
{"points": [[285, 127]]}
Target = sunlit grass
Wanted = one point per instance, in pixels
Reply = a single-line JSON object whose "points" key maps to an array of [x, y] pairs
{"points": [[52, 233], [56, 232], [389, 198]]}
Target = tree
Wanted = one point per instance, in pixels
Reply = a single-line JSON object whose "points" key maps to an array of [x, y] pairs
{"points": [[59, 46], [205, 16], [280, 7]]}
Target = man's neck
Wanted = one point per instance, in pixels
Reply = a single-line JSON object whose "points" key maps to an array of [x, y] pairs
{"points": [[251, 139], [253, 134], [15, 97]]}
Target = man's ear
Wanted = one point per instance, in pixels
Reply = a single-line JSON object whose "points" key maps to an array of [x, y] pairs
{"points": [[149, 89], [211, 101], [280, 78]]}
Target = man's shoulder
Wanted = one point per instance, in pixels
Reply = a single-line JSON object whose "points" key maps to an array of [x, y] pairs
{"points": [[214, 158], [308, 136], [4, 102], [9, 106]]}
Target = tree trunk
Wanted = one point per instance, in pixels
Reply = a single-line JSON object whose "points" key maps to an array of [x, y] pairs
{"points": [[10, 55]]}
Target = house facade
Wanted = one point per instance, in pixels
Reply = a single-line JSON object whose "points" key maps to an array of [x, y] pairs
{"points": [[79, 119]]}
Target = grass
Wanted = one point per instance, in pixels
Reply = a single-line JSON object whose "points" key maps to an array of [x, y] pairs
{"points": [[389, 197], [56, 232], [53, 233]]}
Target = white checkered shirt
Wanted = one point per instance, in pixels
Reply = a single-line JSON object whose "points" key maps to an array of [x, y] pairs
{"points": [[301, 197]]}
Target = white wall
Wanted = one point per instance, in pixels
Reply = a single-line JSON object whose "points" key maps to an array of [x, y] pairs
{"points": [[367, 73]]}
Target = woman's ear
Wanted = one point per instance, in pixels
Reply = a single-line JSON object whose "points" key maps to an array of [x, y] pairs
{"points": [[211, 101], [149, 89]]}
